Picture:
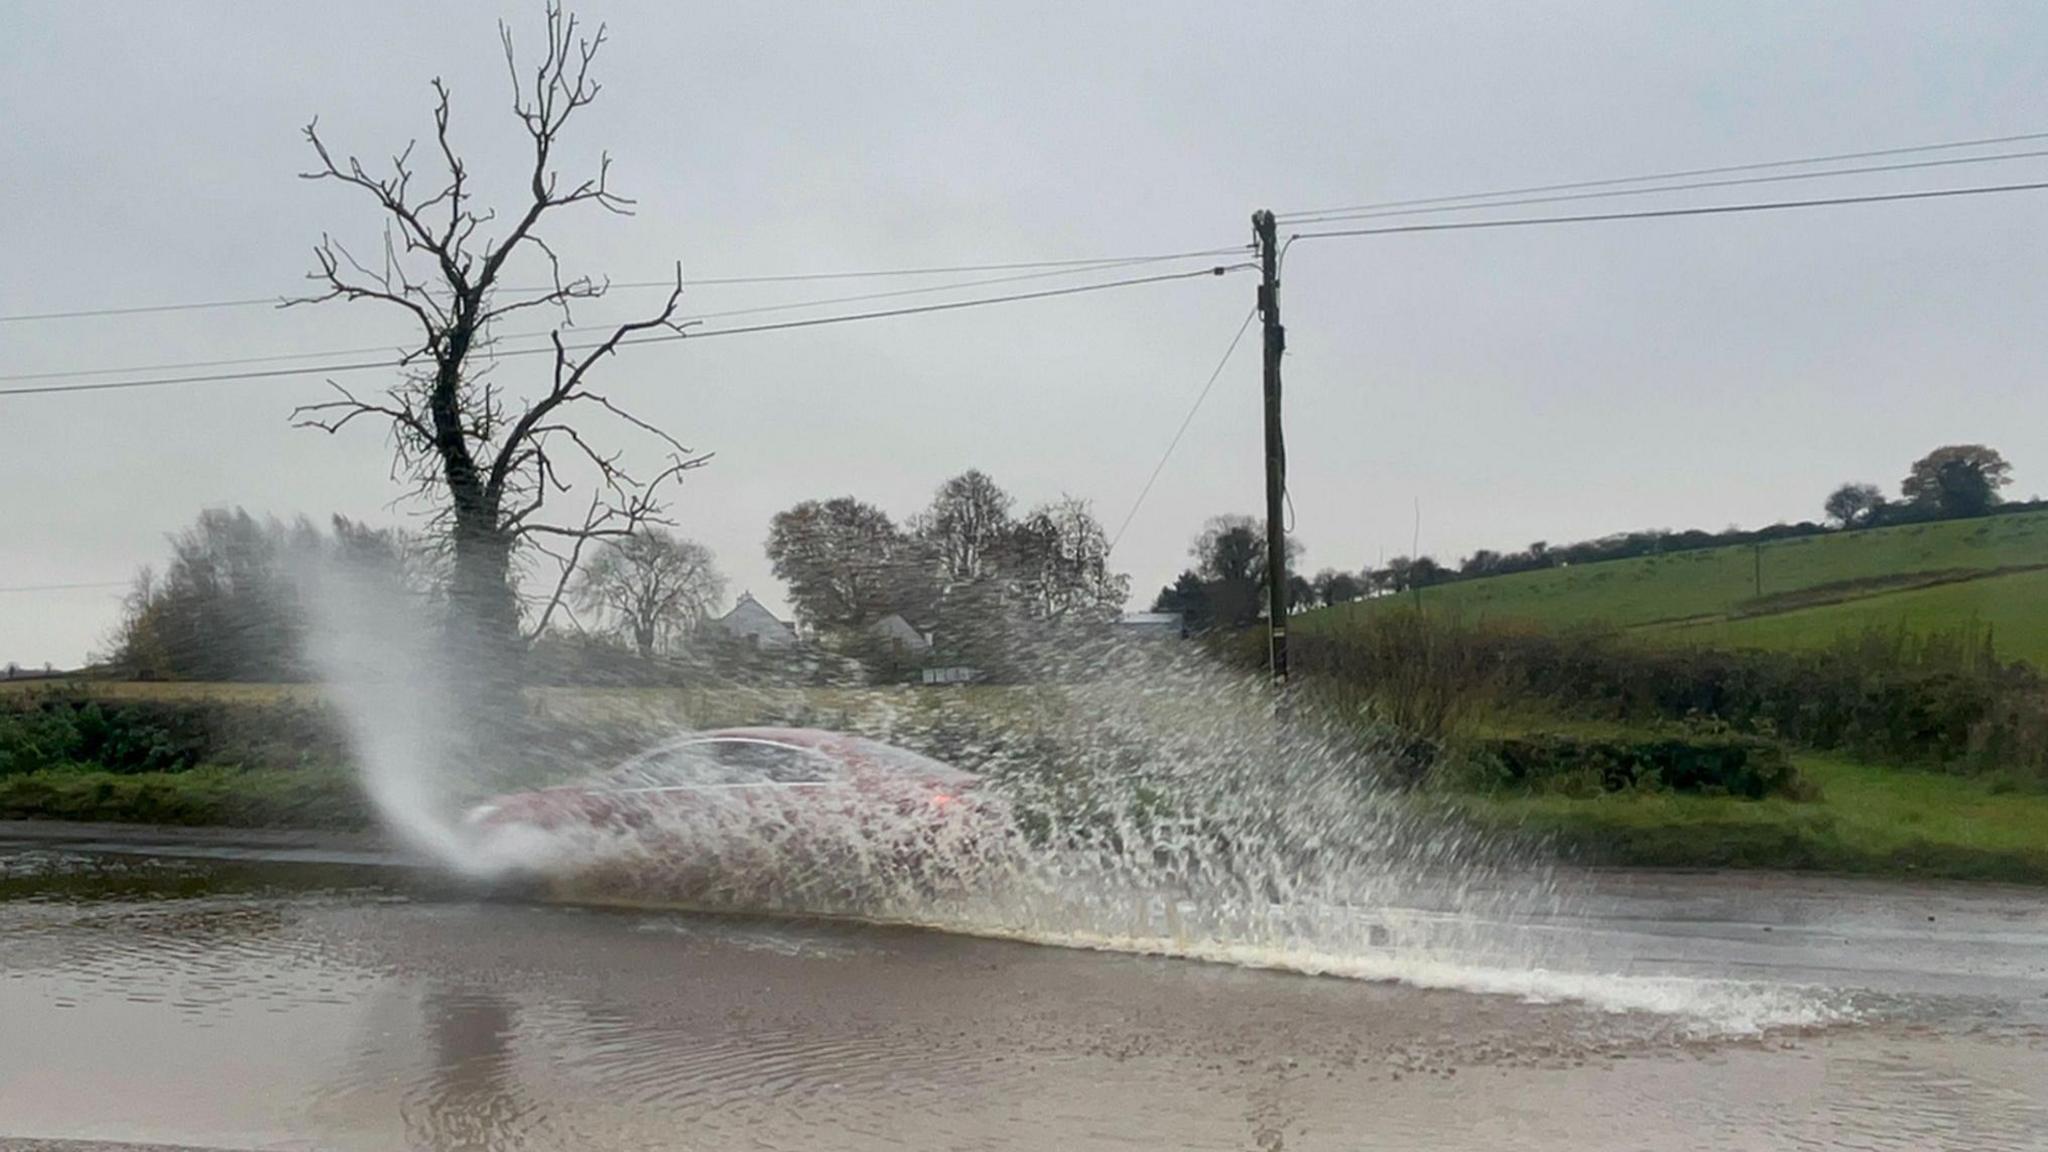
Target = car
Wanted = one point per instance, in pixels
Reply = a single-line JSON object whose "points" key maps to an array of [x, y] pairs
{"points": [[754, 814]]}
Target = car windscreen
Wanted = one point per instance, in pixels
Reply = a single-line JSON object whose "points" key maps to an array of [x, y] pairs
{"points": [[726, 762]]}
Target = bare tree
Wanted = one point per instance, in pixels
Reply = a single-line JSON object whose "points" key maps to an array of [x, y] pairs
{"points": [[1060, 561], [488, 461], [966, 523], [651, 587]]}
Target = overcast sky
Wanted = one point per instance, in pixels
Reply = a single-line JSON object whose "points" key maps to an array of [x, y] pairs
{"points": [[1536, 384]]}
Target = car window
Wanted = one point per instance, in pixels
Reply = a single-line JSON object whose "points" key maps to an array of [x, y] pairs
{"points": [[760, 761], [724, 762]]}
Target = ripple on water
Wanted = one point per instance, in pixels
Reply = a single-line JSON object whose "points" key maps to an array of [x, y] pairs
{"points": [[520, 1026]]}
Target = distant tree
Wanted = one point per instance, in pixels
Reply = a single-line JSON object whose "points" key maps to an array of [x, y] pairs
{"points": [[1397, 575], [841, 559], [966, 524], [1189, 596], [650, 588], [1957, 479], [1854, 504], [1230, 558], [223, 609], [230, 604], [1057, 558], [413, 562], [1300, 593], [1484, 562], [1403, 573], [1333, 587], [1425, 571]]}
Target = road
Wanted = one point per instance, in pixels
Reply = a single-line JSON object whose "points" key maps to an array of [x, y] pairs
{"points": [[286, 994]]}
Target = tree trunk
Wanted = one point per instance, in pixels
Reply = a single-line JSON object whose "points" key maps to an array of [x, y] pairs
{"points": [[486, 655]]}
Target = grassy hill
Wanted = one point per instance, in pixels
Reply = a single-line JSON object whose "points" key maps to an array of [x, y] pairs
{"points": [[1922, 577], [2013, 608]]}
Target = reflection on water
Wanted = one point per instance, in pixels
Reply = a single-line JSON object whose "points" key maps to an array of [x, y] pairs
{"points": [[277, 1014], [471, 1099]]}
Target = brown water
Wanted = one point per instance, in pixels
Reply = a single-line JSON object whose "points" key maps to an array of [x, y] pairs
{"points": [[306, 1004]]}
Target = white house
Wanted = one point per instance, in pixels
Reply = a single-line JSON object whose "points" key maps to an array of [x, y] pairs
{"points": [[894, 629], [750, 622], [1152, 625]]}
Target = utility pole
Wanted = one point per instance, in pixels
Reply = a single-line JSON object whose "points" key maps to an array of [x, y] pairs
{"points": [[1276, 446]]}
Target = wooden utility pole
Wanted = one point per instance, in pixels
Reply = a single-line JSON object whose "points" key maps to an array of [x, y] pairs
{"points": [[1276, 446]]}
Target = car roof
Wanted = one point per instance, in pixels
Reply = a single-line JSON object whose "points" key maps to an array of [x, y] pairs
{"points": [[858, 753]]}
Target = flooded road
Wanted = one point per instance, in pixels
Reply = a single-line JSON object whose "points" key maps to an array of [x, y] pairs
{"points": [[270, 997]]}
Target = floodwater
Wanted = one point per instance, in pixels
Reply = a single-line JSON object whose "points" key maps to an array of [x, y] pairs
{"points": [[281, 997]]}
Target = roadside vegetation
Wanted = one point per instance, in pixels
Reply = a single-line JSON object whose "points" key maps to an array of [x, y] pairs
{"points": [[1886, 751], [1863, 697], [1860, 818]]}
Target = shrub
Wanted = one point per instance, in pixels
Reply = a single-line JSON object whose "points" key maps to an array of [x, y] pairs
{"points": [[1942, 700], [1706, 765]]}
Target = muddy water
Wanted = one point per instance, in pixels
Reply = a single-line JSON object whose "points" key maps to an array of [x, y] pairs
{"points": [[315, 1002]]}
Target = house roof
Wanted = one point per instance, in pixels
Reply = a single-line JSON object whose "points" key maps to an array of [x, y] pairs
{"points": [[748, 608]]}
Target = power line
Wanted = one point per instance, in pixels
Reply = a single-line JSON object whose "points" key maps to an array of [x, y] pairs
{"points": [[785, 325], [1011, 267], [75, 373], [1709, 210], [785, 278], [1780, 178], [1182, 430], [921, 309], [1301, 217], [65, 587]]}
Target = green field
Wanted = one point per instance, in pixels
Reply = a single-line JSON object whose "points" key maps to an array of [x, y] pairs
{"points": [[1926, 577], [2012, 607]]}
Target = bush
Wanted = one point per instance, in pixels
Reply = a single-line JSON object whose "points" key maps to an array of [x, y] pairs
{"points": [[1941, 701], [68, 728], [1710, 765], [197, 797]]}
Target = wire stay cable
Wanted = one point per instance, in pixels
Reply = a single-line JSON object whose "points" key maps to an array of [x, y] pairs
{"points": [[1181, 431], [785, 278], [1661, 213], [630, 342], [1778, 178], [1678, 174], [963, 285]]}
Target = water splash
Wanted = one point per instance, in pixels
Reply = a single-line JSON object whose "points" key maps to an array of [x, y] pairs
{"points": [[1152, 802], [370, 644]]}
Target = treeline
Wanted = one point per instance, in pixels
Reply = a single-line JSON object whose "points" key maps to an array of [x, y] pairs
{"points": [[968, 577], [230, 604], [1957, 481]]}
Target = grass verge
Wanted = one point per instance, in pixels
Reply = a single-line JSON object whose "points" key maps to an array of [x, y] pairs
{"points": [[1868, 820], [314, 798]]}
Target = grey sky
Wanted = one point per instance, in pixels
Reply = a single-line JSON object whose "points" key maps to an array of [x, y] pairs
{"points": [[1550, 384]]}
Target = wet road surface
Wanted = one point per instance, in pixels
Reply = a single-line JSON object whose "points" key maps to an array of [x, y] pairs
{"points": [[282, 996]]}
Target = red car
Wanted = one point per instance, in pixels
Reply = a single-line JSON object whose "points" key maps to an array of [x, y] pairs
{"points": [[754, 813]]}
